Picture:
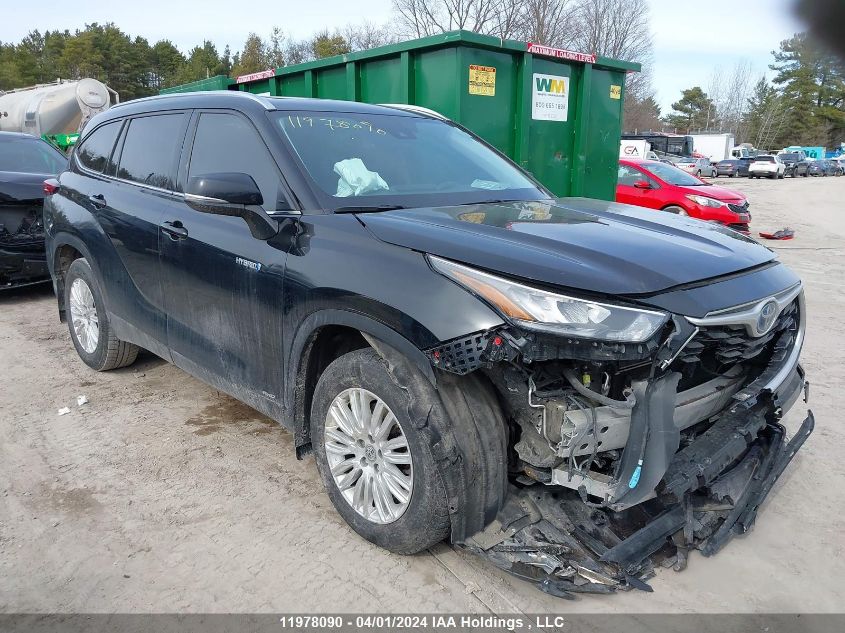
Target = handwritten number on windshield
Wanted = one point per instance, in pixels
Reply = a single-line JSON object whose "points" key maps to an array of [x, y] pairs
{"points": [[333, 124]]}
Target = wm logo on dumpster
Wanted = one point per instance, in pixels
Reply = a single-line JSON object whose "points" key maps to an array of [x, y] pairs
{"points": [[546, 83]]}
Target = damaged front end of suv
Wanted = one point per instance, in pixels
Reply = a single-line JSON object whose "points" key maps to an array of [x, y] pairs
{"points": [[25, 163], [22, 259], [637, 433]]}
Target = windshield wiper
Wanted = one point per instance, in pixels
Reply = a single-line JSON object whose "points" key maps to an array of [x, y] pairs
{"points": [[373, 208], [466, 204]]}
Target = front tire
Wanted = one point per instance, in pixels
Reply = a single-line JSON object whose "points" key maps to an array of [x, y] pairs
{"points": [[676, 210], [376, 466], [88, 321]]}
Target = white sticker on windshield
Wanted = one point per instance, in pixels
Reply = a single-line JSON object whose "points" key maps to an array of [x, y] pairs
{"points": [[490, 185]]}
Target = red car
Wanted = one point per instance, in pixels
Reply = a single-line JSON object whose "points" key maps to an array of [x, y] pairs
{"points": [[656, 185]]}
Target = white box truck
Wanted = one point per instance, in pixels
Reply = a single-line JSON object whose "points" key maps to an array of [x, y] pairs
{"points": [[716, 147]]}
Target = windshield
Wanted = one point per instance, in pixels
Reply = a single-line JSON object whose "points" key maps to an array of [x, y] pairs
{"points": [[30, 156], [357, 160], [673, 175], [789, 156]]}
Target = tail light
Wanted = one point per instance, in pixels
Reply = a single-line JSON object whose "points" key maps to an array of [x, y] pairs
{"points": [[51, 186]]}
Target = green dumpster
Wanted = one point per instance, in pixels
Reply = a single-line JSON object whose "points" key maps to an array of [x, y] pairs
{"points": [[557, 113], [218, 82]]}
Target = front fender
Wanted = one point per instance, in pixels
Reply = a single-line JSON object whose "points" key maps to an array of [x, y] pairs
{"points": [[374, 332]]}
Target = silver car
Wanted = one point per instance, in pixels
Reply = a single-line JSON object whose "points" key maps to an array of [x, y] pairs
{"points": [[698, 167]]}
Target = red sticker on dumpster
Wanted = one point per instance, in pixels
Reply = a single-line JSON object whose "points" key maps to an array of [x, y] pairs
{"points": [[561, 53], [261, 74]]}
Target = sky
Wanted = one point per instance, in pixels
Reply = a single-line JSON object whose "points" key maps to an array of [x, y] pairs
{"points": [[691, 37]]}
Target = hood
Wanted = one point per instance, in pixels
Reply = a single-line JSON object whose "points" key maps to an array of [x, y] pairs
{"points": [[18, 187], [715, 192], [580, 243]]}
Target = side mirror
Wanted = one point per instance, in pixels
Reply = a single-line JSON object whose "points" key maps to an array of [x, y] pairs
{"points": [[642, 184], [232, 194]]}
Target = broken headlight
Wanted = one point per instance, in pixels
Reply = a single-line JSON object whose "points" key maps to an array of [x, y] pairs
{"points": [[537, 309]]}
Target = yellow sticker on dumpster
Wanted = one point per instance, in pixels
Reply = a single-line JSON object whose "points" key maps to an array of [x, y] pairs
{"points": [[482, 80], [615, 91]]}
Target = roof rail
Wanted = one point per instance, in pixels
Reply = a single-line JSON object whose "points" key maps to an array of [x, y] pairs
{"points": [[416, 109], [177, 95]]}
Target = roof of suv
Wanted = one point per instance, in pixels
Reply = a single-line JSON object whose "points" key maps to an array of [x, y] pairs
{"points": [[18, 135], [247, 101]]}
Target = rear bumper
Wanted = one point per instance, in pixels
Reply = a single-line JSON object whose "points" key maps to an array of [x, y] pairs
{"points": [[23, 264]]}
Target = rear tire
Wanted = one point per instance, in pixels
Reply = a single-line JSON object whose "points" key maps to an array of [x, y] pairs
{"points": [[88, 321]]}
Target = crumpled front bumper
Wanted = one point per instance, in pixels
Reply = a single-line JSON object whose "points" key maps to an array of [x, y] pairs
{"points": [[707, 492]]}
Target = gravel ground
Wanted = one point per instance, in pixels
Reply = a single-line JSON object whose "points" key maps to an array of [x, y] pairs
{"points": [[162, 494]]}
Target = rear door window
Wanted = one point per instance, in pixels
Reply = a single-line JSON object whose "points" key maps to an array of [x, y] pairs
{"points": [[228, 143], [151, 150], [95, 151]]}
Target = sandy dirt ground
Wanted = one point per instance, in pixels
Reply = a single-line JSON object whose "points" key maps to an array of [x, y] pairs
{"points": [[164, 495]]}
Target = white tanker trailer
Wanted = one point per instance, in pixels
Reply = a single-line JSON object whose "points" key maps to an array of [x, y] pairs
{"points": [[62, 107]]}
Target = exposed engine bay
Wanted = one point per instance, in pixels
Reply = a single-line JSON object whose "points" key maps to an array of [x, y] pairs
{"points": [[22, 258], [624, 456]]}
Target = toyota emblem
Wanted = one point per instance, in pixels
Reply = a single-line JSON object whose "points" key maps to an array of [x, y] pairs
{"points": [[766, 317]]}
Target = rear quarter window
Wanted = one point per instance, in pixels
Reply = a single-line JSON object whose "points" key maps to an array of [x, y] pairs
{"points": [[151, 150], [94, 153]]}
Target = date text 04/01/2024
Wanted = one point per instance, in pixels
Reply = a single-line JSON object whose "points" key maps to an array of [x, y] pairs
{"points": [[469, 622]]}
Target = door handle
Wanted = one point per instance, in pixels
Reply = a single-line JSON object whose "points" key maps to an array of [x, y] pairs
{"points": [[98, 200], [175, 231]]}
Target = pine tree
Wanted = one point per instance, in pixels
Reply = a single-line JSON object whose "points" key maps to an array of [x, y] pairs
{"points": [[693, 112]]}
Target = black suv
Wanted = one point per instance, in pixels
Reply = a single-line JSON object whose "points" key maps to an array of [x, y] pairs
{"points": [[465, 355], [796, 164]]}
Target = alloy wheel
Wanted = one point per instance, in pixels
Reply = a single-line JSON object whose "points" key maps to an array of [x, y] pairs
{"points": [[369, 456], [83, 315]]}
